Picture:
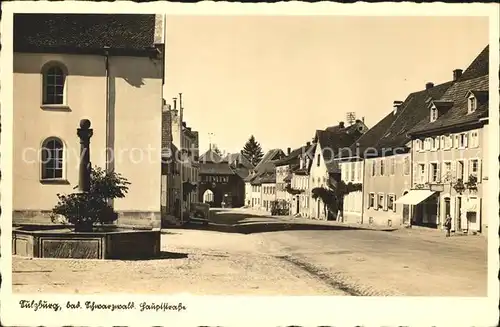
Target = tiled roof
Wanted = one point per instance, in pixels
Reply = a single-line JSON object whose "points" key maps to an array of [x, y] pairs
{"points": [[212, 168], [291, 158], [84, 32], [211, 156], [413, 110], [266, 163], [332, 142], [478, 67], [242, 160], [475, 79], [458, 113]]}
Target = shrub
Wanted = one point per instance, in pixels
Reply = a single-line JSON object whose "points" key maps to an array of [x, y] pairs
{"points": [[84, 210]]}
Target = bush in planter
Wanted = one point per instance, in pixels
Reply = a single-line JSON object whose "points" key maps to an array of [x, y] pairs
{"points": [[84, 210]]}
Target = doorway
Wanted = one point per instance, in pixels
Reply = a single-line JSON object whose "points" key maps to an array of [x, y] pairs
{"points": [[458, 214], [406, 212]]}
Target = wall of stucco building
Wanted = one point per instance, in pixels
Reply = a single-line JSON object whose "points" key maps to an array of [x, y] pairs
{"points": [[268, 196], [134, 83], [352, 172], [318, 177], [395, 181], [453, 155]]}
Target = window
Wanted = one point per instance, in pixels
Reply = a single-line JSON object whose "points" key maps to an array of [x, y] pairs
{"points": [[353, 170], [427, 143], [382, 167], [371, 200], [393, 166], [406, 166], [447, 142], [474, 167], [54, 80], [474, 139], [380, 202], [390, 202], [418, 145], [460, 169], [434, 171], [52, 159], [447, 171], [434, 114], [421, 173], [472, 104], [319, 160], [436, 143], [462, 140]]}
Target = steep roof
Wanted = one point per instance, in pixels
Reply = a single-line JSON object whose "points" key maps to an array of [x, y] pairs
{"points": [[413, 110], [211, 156], [232, 158], [479, 66], [212, 168], [292, 157], [458, 113], [332, 142], [61, 33], [266, 165], [475, 79]]}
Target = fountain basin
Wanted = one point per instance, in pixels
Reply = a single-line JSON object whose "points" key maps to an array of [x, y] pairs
{"points": [[104, 243]]}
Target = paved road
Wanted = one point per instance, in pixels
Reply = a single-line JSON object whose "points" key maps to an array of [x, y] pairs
{"points": [[291, 262]]}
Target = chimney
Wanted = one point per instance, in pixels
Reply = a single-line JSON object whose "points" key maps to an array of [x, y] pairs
{"points": [[457, 73], [166, 107], [288, 150], [175, 103], [396, 106], [308, 143], [363, 120], [341, 124], [429, 85]]}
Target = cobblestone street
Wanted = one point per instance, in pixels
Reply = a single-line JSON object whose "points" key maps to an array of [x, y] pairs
{"points": [[287, 262]]}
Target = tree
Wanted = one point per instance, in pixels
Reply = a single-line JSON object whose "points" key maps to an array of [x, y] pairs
{"points": [[252, 151], [333, 195], [84, 210]]}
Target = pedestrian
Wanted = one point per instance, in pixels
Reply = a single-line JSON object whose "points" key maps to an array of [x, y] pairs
{"points": [[447, 225]]}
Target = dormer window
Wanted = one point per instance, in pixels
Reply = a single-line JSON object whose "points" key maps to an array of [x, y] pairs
{"points": [[472, 103], [434, 114]]}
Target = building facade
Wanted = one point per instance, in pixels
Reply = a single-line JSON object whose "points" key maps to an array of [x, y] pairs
{"points": [[222, 179], [352, 172], [448, 153], [63, 73]]}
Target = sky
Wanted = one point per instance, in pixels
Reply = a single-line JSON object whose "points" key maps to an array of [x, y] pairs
{"points": [[280, 78]]}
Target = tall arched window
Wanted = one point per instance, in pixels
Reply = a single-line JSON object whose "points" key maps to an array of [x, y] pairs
{"points": [[54, 80], [52, 159]]}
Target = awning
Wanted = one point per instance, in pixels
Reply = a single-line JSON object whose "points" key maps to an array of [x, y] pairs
{"points": [[415, 197], [470, 206]]}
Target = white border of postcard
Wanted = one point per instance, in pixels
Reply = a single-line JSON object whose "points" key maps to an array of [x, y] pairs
{"points": [[252, 311]]}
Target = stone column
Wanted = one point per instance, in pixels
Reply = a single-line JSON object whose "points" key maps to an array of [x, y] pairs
{"points": [[84, 133]]}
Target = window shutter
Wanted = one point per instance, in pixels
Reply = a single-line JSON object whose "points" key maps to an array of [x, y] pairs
{"points": [[466, 170], [385, 201], [479, 170], [466, 138], [415, 170], [453, 169], [438, 173], [438, 141], [457, 141], [394, 203], [368, 201]]}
